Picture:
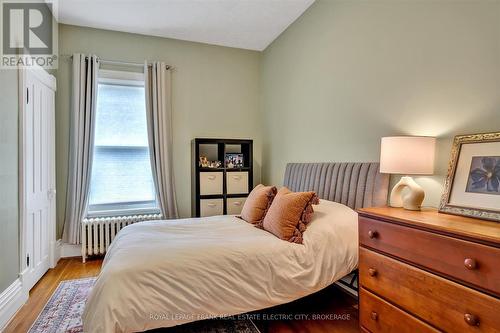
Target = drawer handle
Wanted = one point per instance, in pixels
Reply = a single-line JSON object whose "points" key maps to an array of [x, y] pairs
{"points": [[471, 319], [372, 271], [211, 177], [470, 263], [211, 205], [372, 233], [236, 177], [374, 316], [237, 203]]}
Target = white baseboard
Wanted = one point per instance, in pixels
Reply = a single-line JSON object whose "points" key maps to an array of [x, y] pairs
{"points": [[55, 252], [14, 297], [58, 250], [11, 300], [70, 250], [22, 278]]}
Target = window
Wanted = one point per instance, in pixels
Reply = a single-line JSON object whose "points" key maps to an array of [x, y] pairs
{"points": [[121, 181]]}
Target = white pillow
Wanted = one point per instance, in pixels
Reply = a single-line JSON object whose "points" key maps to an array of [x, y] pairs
{"points": [[330, 221]]}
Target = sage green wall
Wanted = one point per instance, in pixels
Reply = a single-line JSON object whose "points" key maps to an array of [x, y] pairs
{"points": [[349, 72], [9, 224], [215, 94]]}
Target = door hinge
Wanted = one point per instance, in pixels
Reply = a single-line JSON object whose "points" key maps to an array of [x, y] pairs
{"points": [[28, 260]]}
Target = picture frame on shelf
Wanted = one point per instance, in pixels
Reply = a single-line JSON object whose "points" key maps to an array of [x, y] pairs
{"points": [[472, 186], [234, 160]]}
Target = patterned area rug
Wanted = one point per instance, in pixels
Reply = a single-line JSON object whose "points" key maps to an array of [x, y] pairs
{"points": [[63, 311]]}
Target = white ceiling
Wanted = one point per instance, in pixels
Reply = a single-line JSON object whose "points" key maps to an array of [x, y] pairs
{"points": [[247, 24]]}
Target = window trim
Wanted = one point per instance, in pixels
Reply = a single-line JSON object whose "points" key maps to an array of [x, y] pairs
{"points": [[123, 209], [122, 78]]}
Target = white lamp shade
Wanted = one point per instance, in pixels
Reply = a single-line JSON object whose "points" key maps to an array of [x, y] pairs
{"points": [[409, 155]]}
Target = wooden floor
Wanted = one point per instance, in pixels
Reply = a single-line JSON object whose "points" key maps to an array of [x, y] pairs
{"points": [[66, 269], [329, 311]]}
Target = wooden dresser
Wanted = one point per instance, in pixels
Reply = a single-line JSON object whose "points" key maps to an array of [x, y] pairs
{"points": [[428, 272]]}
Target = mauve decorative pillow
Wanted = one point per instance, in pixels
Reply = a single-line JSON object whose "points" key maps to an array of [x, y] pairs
{"points": [[289, 214], [257, 203]]}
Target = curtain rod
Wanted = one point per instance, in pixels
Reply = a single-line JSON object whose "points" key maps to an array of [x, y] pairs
{"points": [[115, 62]]}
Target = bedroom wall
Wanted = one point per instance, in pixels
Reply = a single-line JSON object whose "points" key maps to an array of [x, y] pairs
{"points": [[215, 94], [9, 225], [347, 73]]}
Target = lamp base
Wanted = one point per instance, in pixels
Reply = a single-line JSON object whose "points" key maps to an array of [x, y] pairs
{"points": [[411, 200]]}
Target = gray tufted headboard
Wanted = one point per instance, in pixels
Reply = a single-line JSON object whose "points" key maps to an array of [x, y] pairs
{"points": [[355, 185]]}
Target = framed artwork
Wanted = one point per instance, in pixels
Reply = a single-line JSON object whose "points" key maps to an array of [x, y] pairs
{"points": [[472, 187], [234, 160]]}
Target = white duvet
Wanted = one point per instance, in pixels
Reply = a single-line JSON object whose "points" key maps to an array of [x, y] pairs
{"points": [[166, 273]]}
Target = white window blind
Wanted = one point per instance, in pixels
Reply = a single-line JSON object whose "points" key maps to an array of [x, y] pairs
{"points": [[121, 181]]}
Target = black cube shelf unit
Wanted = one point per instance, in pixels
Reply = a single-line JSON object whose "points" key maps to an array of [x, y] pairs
{"points": [[221, 190]]}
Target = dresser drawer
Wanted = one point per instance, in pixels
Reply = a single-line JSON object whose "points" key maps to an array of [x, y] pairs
{"points": [[445, 304], [211, 207], [235, 205], [211, 183], [237, 182], [472, 263], [378, 315]]}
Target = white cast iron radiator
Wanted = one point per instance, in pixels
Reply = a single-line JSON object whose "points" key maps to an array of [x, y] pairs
{"points": [[98, 233]]}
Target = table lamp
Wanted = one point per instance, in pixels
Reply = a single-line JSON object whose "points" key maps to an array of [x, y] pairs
{"points": [[407, 155]]}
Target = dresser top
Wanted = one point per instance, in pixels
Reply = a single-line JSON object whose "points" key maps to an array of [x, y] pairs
{"points": [[431, 219]]}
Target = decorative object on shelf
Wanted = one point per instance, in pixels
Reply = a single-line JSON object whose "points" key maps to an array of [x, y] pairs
{"points": [[472, 187], [407, 155], [234, 160], [204, 162], [215, 164]]}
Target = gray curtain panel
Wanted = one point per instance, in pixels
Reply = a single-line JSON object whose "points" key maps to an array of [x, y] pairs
{"points": [[158, 84], [83, 113]]}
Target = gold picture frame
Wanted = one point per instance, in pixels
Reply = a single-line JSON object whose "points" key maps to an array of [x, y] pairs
{"points": [[464, 209]]}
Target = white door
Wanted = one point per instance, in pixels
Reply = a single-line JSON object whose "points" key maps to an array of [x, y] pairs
{"points": [[38, 175]]}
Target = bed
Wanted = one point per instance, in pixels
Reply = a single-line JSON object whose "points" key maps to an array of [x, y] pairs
{"points": [[166, 273]]}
